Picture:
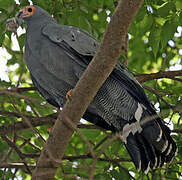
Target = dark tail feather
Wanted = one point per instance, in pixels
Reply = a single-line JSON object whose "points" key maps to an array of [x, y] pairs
{"points": [[154, 135], [152, 147], [149, 150], [172, 149], [164, 145], [142, 153], [134, 151], [145, 159], [149, 144]]}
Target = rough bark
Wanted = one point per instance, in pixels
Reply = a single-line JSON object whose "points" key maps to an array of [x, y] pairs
{"points": [[87, 87]]}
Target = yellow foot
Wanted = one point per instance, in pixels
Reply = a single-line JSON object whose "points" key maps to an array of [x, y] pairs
{"points": [[49, 130], [68, 94]]}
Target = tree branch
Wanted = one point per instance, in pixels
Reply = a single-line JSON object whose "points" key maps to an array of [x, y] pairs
{"points": [[17, 95], [177, 131], [161, 74], [103, 63], [15, 165], [70, 158], [35, 121], [22, 89]]}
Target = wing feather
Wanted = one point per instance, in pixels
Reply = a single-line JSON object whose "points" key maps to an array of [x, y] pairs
{"points": [[79, 40], [80, 43]]}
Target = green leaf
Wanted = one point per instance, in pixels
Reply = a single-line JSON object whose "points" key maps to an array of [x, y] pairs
{"points": [[108, 3], [124, 173], [116, 146], [168, 31], [165, 9], [1, 173], [21, 41], [180, 18], [90, 134], [2, 35], [178, 5], [5, 4], [11, 8], [140, 14], [24, 2], [3, 17], [47, 5], [145, 25], [121, 174], [154, 39]]}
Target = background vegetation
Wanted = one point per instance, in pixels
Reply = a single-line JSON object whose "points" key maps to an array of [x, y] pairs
{"points": [[154, 56]]}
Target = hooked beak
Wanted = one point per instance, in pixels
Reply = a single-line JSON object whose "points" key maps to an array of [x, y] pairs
{"points": [[22, 14]]}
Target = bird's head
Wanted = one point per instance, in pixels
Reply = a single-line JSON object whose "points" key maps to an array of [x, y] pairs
{"points": [[27, 12], [33, 12]]}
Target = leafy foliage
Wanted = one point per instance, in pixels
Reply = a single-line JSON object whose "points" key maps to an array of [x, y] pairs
{"points": [[155, 45]]}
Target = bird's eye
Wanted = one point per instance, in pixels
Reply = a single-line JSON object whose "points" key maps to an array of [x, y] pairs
{"points": [[29, 9]]}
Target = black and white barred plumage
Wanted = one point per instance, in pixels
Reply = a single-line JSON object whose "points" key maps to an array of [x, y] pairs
{"points": [[57, 56]]}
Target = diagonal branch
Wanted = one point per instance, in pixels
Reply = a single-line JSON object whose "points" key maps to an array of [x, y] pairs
{"points": [[15, 147], [96, 73], [158, 95]]}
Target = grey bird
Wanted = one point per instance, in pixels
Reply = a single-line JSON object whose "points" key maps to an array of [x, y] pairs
{"points": [[57, 55]]}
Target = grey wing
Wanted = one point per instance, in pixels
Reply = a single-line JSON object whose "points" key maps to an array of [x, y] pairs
{"points": [[49, 95], [71, 47], [79, 40], [51, 72]]}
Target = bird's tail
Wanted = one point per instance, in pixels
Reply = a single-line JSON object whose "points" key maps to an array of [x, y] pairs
{"points": [[149, 144]]}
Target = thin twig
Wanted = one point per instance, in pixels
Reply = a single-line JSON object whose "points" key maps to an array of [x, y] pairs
{"points": [[101, 142], [158, 95], [106, 145], [32, 108], [91, 177], [15, 147], [73, 126], [28, 122], [28, 142]]}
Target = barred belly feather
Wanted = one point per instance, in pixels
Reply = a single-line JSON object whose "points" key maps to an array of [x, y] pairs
{"points": [[113, 102]]}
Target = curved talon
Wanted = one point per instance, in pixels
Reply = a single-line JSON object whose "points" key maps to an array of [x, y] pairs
{"points": [[68, 94]]}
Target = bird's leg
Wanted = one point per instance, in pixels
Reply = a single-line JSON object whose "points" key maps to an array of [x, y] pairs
{"points": [[68, 94], [49, 130]]}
